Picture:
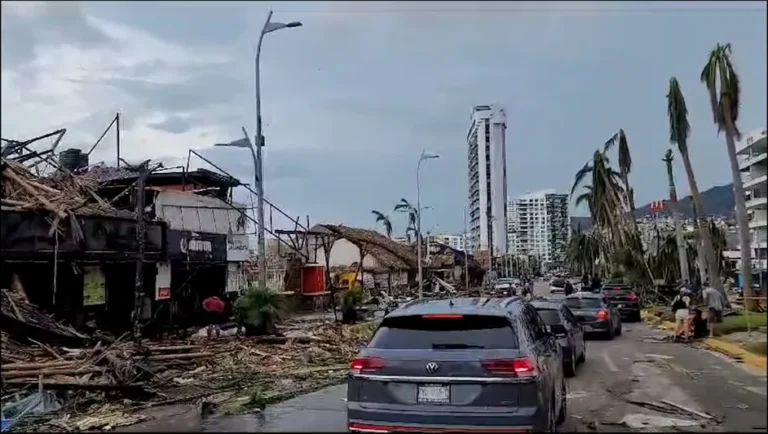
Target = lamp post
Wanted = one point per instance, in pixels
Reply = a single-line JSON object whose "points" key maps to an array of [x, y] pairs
{"points": [[269, 27], [424, 156]]}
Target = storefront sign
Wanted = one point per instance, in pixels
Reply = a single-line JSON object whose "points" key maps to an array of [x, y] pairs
{"points": [[237, 248], [196, 246], [94, 291], [163, 282]]}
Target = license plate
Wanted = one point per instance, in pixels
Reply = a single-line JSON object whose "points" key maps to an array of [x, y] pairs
{"points": [[434, 394], [587, 328]]}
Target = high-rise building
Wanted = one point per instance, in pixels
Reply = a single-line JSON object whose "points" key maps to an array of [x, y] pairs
{"points": [[539, 225], [454, 241], [487, 166], [752, 152]]}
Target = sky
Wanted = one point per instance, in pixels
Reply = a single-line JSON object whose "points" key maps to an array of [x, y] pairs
{"points": [[351, 98]]}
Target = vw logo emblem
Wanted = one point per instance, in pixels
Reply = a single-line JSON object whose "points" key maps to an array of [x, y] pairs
{"points": [[432, 367]]}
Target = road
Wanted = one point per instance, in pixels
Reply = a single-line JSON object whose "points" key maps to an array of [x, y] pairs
{"points": [[634, 366]]}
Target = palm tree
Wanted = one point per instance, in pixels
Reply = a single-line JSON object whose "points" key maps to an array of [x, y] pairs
{"points": [[413, 213], [385, 221], [681, 251], [625, 164], [724, 89], [679, 128]]}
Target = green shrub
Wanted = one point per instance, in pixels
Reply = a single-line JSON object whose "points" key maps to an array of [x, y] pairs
{"points": [[740, 323], [259, 309]]}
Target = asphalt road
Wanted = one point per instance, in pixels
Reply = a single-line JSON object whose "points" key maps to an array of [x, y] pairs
{"points": [[632, 367]]}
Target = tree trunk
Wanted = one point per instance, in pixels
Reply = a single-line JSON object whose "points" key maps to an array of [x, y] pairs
{"points": [[741, 214], [681, 248], [703, 229]]}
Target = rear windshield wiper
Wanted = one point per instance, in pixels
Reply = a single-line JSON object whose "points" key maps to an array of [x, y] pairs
{"points": [[455, 346]]}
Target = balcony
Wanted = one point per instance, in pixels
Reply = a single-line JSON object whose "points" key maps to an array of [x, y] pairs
{"points": [[751, 160], [758, 202], [751, 182], [758, 223]]}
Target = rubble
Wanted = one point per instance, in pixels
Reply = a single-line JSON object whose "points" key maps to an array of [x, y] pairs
{"points": [[103, 371], [63, 194]]}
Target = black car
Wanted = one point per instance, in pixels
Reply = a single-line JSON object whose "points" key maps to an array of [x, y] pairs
{"points": [[625, 299], [595, 314], [569, 333], [462, 364]]}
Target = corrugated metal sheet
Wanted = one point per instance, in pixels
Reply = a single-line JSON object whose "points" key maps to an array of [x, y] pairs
{"points": [[191, 212]]}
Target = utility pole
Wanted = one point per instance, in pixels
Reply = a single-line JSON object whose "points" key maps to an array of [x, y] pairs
{"points": [[141, 231]]}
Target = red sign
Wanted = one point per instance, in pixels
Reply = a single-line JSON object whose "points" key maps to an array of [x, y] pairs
{"points": [[163, 294], [657, 206]]}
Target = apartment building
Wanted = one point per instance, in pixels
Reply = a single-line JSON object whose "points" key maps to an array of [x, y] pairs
{"points": [[538, 224], [454, 241], [752, 152], [487, 167]]}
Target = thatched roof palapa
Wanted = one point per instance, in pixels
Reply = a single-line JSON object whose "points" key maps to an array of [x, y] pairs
{"points": [[389, 253]]}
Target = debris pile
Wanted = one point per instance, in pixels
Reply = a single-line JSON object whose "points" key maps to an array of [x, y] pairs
{"points": [[63, 194], [115, 378]]}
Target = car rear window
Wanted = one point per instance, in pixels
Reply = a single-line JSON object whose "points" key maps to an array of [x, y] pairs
{"points": [[467, 332], [583, 303], [550, 316]]}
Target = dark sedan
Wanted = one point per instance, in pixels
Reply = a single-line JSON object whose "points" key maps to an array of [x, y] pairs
{"points": [[595, 313], [624, 298], [561, 322]]}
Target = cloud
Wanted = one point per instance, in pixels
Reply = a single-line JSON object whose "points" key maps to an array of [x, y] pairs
{"points": [[350, 99]]}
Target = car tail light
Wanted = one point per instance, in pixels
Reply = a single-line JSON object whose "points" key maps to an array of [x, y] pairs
{"points": [[601, 314], [521, 367], [360, 364], [443, 316], [632, 297]]}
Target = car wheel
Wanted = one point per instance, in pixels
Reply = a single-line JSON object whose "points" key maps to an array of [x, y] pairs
{"points": [[637, 317], [563, 406], [583, 357], [570, 366], [618, 330], [611, 333]]}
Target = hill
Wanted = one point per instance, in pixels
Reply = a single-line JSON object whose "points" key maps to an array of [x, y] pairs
{"points": [[717, 202]]}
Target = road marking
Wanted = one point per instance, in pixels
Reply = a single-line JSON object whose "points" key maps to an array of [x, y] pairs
{"points": [[610, 363], [759, 390]]}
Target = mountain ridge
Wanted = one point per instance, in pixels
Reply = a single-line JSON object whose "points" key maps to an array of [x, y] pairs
{"points": [[717, 201]]}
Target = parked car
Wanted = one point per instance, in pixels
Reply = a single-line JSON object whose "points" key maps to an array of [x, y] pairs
{"points": [[506, 286], [463, 364], [566, 328], [595, 313], [625, 299]]}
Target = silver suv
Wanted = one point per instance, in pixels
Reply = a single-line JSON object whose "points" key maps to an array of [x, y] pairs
{"points": [[466, 364]]}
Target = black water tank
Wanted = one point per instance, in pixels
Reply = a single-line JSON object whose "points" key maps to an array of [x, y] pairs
{"points": [[73, 159]]}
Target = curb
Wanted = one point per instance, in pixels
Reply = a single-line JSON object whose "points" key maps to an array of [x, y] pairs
{"points": [[736, 352]]}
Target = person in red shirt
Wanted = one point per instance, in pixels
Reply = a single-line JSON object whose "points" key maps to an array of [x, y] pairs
{"points": [[215, 309]]}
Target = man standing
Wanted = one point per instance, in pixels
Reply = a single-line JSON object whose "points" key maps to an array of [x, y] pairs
{"points": [[214, 309], [714, 301]]}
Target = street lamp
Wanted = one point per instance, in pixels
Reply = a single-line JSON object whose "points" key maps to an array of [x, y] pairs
{"points": [[269, 27], [424, 156]]}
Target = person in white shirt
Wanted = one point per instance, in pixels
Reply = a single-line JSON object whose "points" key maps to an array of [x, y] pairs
{"points": [[714, 301]]}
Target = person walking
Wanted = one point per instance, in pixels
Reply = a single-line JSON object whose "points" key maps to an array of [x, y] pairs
{"points": [[568, 288], [214, 309], [714, 301], [680, 307]]}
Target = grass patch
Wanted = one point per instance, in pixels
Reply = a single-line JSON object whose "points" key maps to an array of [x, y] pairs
{"points": [[759, 348], [741, 323]]}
